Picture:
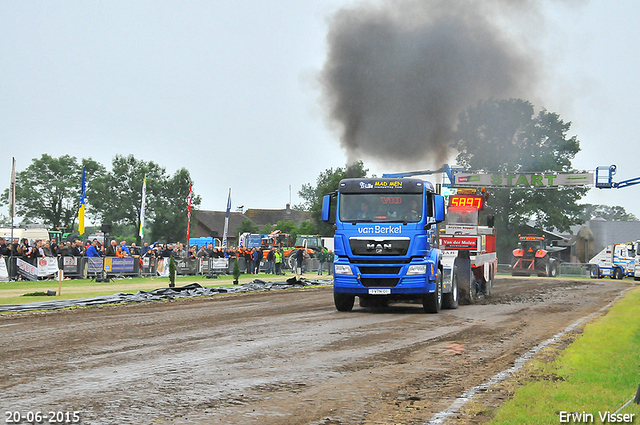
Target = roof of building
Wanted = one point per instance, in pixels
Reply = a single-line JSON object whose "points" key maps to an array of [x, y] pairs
{"points": [[262, 217]]}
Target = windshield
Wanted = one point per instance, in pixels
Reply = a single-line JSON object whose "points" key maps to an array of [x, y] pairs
{"points": [[389, 208], [462, 215]]}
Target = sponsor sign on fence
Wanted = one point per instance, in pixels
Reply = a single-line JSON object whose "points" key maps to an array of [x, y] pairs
{"points": [[26, 270], [4, 274], [47, 266]]}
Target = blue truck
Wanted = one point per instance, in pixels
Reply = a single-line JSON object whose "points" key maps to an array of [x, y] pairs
{"points": [[386, 243]]}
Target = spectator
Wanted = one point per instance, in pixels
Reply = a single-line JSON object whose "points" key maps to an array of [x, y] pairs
{"points": [[202, 252], [299, 260], [36, 250], [25, 249], [322, 257], [47, 249], [135, 250], [192, 252], [111, 249], [66, 250], [92, 251], [248, 260], [168, 252], [78, 249], [5, 251], [257, 256], [271, 262], [55, 251], [278, 261], [145, 248], [15, 248], [120, 253], [124, 247]]}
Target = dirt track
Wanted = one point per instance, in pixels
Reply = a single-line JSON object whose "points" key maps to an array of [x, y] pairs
{"points": [[284, 357]]}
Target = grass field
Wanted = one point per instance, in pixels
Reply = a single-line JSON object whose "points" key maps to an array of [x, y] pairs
{"points": [[597, 373], [13, 292]]}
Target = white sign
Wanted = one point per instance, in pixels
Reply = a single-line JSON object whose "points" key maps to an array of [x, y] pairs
{"points": [[47, 266], [523, 180], [4, 275]]}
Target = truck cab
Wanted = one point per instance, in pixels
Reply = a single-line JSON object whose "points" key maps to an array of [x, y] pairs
{"points": [[386, 242]]}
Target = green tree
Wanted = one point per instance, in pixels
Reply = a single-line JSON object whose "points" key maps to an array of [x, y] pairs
{"points": [[171, 214], [615, 213], [120, 194], [326, 183], [247, 226], [507, 136], [48, 190]]}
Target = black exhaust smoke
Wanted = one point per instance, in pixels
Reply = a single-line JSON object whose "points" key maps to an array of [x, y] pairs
{"points": [[398, 74]]}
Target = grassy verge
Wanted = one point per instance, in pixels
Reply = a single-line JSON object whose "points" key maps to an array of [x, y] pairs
{"points": [[598, 372], [12, 292]]}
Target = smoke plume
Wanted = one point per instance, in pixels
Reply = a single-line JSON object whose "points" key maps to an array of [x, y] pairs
{"points": [[398, 73]]}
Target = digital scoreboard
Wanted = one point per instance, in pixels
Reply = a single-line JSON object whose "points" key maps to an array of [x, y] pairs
{"points": [[466, 201]]}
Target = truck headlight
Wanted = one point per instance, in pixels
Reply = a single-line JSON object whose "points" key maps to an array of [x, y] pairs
{"points": [[417, 269], [342, 269]]}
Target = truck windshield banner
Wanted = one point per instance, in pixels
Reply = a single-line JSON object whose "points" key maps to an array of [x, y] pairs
{"points": [[523, 180]]}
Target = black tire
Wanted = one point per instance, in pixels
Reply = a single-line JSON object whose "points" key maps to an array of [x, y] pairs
{"points": [[450, 300], [432, 302], [553, 269], [343, 302], [542, 266], [594, 272], [467, 290], [617, 274]]}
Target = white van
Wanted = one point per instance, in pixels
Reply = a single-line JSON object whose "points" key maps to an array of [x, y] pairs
{"points": [[33, 234]]}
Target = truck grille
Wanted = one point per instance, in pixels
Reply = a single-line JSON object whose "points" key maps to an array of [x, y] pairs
{"points": [[377, 247], [379, 270], [379, 282]]}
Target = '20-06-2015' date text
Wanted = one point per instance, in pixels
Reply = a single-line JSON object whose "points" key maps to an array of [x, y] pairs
{"points": [[38, 417]]}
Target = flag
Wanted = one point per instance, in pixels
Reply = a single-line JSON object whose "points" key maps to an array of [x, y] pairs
{"points": [[189, 213], [142, 207], [12, 191], [81, 207], [226, 222]]}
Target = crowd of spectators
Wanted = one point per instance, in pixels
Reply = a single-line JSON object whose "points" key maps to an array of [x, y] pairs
{"points": [[274, 257]]}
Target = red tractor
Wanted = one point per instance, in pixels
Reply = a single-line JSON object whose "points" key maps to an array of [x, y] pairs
{"points": [[532, 257]]}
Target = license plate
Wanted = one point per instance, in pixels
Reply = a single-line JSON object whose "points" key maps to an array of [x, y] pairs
{"points": [[379, 291]]}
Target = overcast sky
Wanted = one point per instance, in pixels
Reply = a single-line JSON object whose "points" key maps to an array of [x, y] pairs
{"points": [[229, 89]]}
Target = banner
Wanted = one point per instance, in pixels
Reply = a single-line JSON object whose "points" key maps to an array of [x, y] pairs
{"points": [[70, 264], [27, 270], [81, 207], [163, 269], [189, 213], [142, 207], [12, 191], [523, 180], [95, 264], [4, 274], [47, 266], [119, 265], [226, 222]]}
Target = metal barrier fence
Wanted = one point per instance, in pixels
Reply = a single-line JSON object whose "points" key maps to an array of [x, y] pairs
{"points": [[108, 267]]}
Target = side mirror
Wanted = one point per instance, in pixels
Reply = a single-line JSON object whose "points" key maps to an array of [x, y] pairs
{"points": [[326, 207], [438, 208]]}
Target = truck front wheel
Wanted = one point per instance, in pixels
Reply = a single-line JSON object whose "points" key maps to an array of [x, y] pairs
{"points": [[432, 302], [343, 302]]}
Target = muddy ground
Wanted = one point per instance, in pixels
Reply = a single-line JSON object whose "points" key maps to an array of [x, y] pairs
{"points": [[282, 357]]}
